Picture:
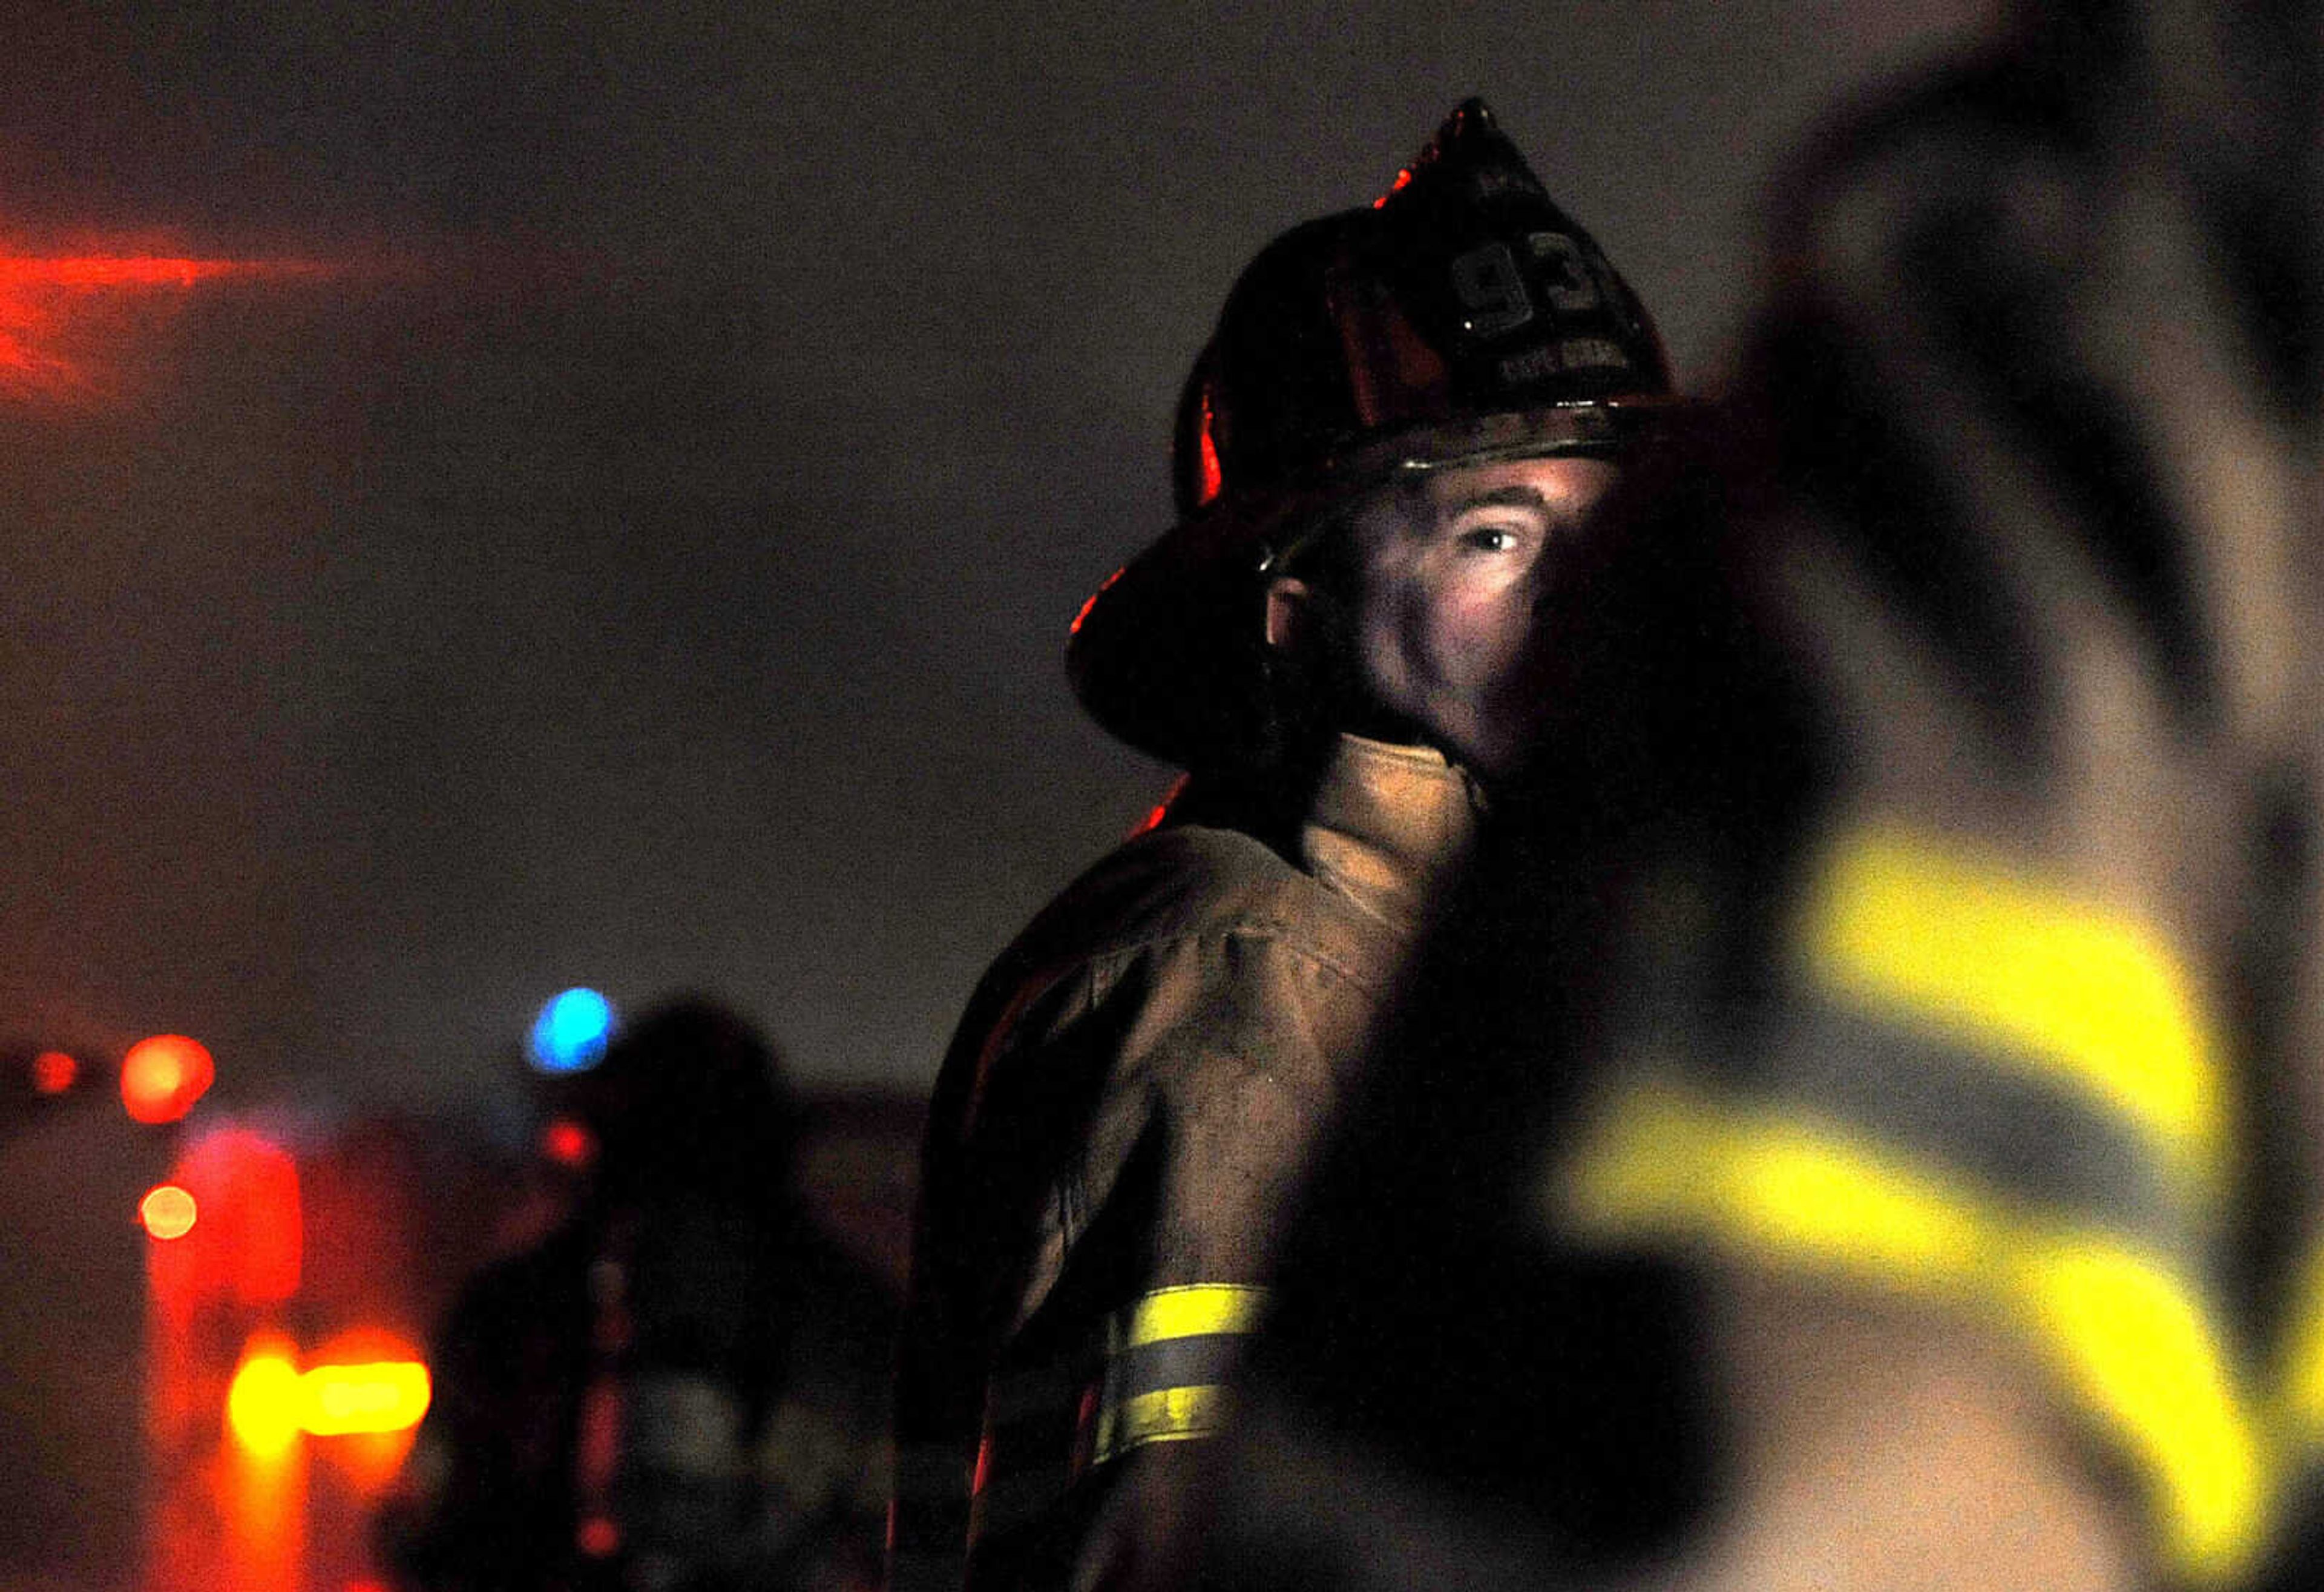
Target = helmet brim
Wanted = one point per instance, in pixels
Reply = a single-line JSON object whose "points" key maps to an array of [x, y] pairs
{"points": [[1168, 655]]}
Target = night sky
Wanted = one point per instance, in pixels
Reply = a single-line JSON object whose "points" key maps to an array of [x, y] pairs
{"points": [[618, 522]]}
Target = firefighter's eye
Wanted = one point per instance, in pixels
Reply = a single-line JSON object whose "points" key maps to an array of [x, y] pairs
{"points": [[1492, 539]]}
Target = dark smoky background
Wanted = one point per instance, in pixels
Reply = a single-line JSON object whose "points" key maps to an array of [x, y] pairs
{"points": [[618, 520], [497, 498]]}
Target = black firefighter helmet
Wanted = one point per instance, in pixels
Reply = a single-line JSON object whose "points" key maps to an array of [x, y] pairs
{"points": [[1459, 318]]}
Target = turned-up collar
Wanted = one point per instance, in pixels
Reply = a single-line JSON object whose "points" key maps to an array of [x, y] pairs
{"points": [[1388, 828]]}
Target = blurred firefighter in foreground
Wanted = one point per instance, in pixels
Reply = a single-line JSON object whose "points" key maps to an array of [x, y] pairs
{"points": [[683, 1387], [1862, 1126], [1405, 412]]}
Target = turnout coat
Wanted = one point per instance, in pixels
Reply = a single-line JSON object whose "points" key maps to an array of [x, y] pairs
{"points": [[1129, 1100]]}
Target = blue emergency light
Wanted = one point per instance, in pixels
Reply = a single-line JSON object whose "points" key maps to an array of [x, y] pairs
{"points": [[571, 1034]]}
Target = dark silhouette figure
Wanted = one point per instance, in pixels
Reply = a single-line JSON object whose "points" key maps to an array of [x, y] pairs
{"points": [[682, 1388]]}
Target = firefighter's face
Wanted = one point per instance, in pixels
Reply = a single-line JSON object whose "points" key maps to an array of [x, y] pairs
{"points": [[1446, 571]]}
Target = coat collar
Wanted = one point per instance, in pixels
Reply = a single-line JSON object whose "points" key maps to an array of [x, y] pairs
{"points": [[1388, 828]]}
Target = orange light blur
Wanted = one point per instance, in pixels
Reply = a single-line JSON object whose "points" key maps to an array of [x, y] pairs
{"points": [[366, 1463], [383, 1395], [271, 1402], [53, 1072], [266, 1399], [167, 1212], [163, 1075]]}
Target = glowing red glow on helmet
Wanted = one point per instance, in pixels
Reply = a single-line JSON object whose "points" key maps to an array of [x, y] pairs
{"points": [[1403, 179], [1075, 628], [1154, 819], [1213, 476]]}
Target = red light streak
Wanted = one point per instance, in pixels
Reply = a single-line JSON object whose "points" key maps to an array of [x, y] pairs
{"points": [[52, 307], [21, 273]]}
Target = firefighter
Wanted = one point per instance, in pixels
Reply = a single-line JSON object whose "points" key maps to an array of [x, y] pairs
{"points": [[682, 1388], [1876, 1064], [1403, 420]]}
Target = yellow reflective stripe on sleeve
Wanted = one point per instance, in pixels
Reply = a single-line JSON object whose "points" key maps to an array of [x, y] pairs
{"points": [[1668, 1160], [1160, 1384], [1196, 1310], [1910, 926], [1170, 1414], [2300, 1366], [2128, 1335], [2138, 1345]]}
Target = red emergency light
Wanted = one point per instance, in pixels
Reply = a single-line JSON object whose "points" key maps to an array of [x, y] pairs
{"points": [[163, 1075], [568, 1142], [251, 1242]]}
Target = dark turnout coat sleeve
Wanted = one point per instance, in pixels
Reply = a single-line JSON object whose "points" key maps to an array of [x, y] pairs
{"points": [[1132, 1094]]}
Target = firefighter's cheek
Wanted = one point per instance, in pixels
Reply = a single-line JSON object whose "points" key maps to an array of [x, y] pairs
{"points": [[1469, 637]]}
